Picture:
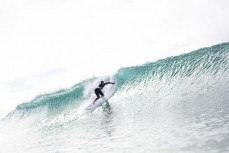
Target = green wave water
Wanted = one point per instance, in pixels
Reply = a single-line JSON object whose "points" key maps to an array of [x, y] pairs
{"points": [[177, 104]]}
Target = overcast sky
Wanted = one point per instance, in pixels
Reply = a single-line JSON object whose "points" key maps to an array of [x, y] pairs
{"points": [[51, 44]]}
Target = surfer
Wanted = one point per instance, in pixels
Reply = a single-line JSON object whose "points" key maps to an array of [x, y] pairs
{"points": [[98, 90]]}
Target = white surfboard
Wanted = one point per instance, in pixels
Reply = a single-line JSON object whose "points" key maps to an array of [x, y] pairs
{"points": [[98, 103]]}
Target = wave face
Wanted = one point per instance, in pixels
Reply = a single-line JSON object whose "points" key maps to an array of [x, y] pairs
{"points": [[177, 104]]}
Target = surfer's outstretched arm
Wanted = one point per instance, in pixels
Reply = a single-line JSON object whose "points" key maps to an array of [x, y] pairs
{"points": [[109, 83]]}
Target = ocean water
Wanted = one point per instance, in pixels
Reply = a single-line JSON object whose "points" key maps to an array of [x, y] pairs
{"points": [[175, 105]]}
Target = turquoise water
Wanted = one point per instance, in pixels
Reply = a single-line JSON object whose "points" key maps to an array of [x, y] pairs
{"points": [[178, 104]]}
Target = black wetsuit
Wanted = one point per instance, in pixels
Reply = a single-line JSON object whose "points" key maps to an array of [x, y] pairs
{"points": [[98, 90]]}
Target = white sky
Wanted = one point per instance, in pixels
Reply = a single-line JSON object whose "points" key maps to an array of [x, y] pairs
{"points": [[51, 44]]}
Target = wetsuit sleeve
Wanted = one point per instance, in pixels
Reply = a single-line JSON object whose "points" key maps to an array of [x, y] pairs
{"points": [[109, 83]]}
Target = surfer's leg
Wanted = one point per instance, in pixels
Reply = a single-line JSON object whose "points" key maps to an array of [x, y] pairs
{"points": [[95, 100], [97, 94], [101, 93]]}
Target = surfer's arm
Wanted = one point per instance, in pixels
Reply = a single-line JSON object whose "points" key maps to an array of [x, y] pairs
{"points": [[109, 83]]}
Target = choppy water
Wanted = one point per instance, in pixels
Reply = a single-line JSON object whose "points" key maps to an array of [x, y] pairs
{"points": [[175, 105]]}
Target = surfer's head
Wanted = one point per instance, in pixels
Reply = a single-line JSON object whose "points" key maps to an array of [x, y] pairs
{"points": [[102, 82]]}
